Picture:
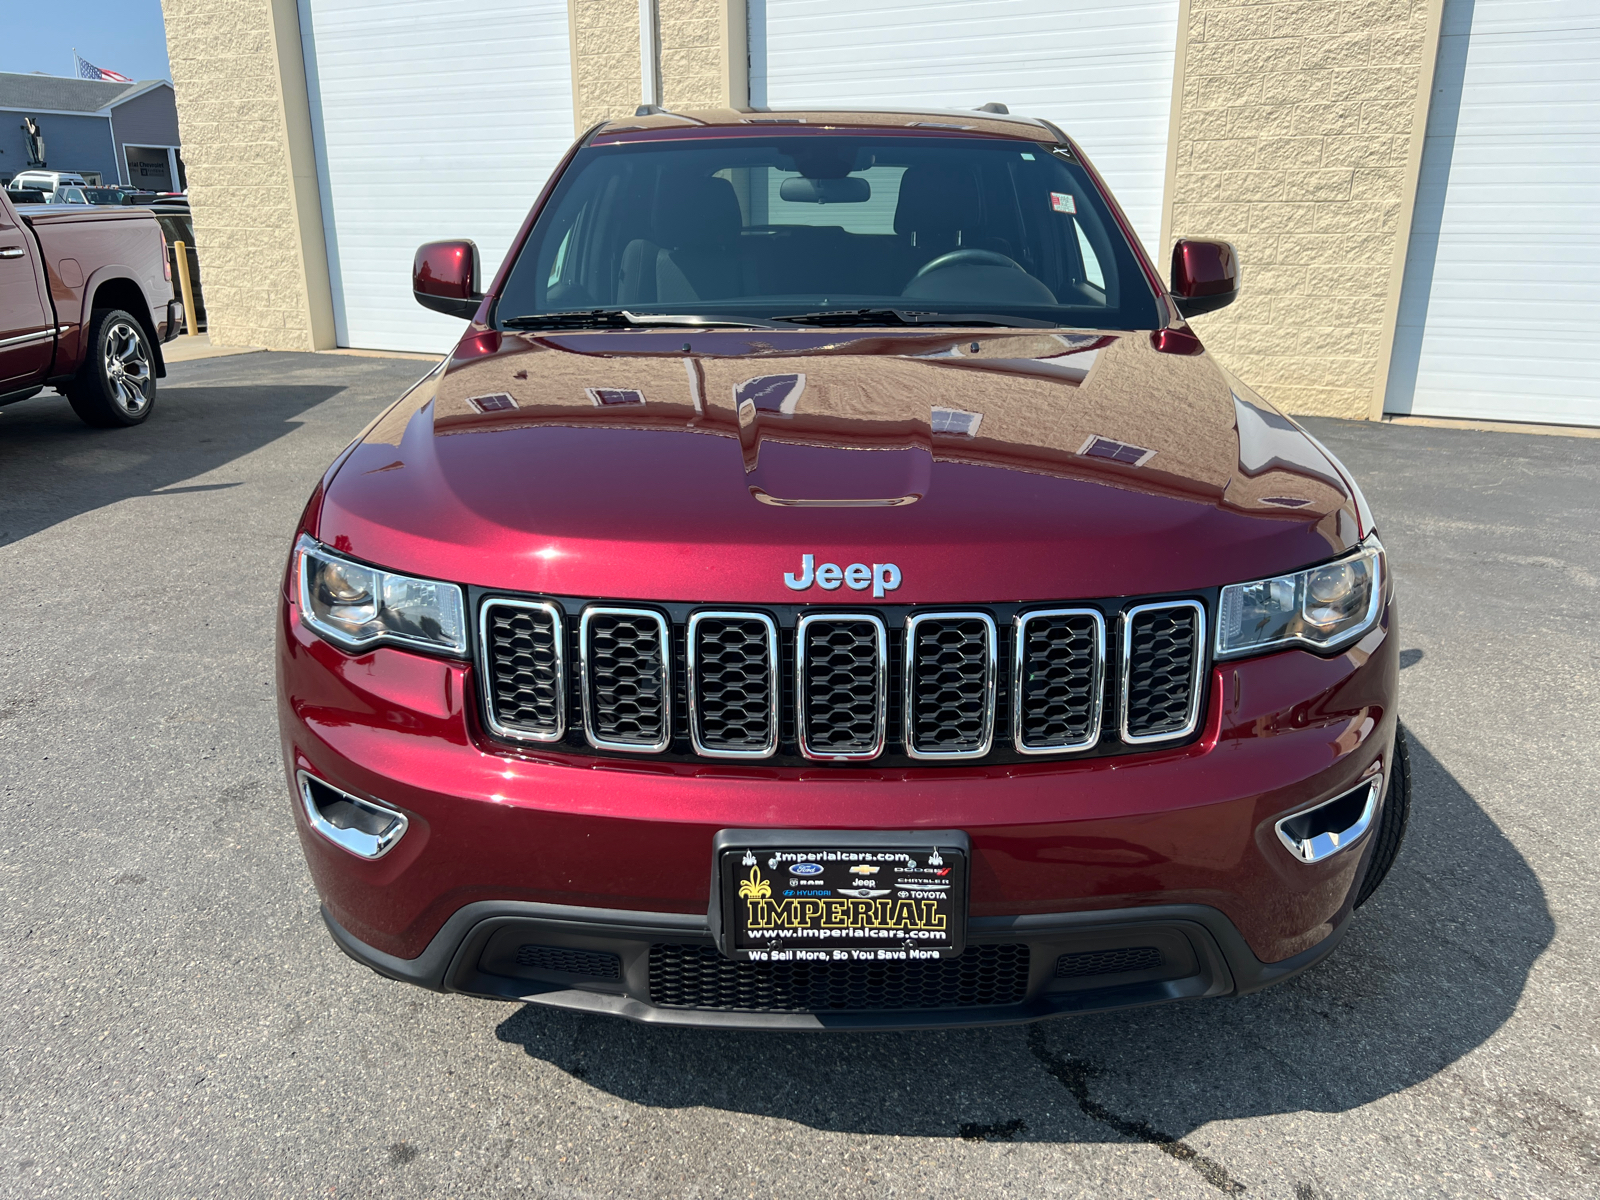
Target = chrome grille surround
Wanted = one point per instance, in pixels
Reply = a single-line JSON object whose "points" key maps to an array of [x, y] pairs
{"points": [[1096, 684], [696, 677], [915, 705], [876, 675], [1130, 627], [490, 663], [660, 675]]}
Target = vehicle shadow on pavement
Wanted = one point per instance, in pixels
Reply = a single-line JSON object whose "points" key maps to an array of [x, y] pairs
{"points": [[1432, 966], [55, 467]]}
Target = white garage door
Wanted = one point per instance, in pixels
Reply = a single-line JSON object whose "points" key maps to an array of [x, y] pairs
{"points": [[1500, 311], [1100, 69], [429, 123]]}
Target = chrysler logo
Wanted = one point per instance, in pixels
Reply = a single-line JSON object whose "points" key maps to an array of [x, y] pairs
{"points": [[881, 577]]}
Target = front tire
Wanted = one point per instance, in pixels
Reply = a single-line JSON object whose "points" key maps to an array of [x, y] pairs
{"points": [[1392, 824], [116, 385]]}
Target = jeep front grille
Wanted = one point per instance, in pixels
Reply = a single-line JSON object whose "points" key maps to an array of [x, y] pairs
{"points": [[950, 683], [1163, 653], [626, 681], [733, 684], [843, 669], [788, 684], [522, 652], [1057, 688]]}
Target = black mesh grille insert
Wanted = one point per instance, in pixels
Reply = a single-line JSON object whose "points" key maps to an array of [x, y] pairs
{"points": [[733, 684], [627, 678], [842, 686], [1107, 962], [526, 690], [1057, 689], [700, 977], [573, 962], [1161, 662], [951, 685]]}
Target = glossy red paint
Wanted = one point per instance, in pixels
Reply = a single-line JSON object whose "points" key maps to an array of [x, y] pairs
{"points": [[633, 465], [447, 269], [1204, 268], [529, 498], [1186, 825]]}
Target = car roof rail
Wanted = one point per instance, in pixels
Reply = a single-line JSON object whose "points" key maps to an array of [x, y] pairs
{"points": [[994, 106]]}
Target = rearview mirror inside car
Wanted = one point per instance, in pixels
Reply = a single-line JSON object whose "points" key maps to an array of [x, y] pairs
{"points": [[1205, 275], [801, 190], [444, 278]]}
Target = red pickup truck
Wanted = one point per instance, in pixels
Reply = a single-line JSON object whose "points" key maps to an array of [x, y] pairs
{"points": [[86, 301]]}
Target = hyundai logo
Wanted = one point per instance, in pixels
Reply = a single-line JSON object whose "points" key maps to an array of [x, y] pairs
{"points": [[881, 577]]}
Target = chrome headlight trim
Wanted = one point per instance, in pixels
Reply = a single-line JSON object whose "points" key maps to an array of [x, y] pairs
{"points": [[451, 594], [1370, 547]]}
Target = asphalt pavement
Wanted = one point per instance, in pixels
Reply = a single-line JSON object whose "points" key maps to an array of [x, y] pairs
{"points": [[176, 1022]]}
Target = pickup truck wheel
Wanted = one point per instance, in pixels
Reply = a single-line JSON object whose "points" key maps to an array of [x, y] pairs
{"points": [[116, 385]]}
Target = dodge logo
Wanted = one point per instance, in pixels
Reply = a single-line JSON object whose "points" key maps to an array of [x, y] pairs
{"points": [[883, 577]]}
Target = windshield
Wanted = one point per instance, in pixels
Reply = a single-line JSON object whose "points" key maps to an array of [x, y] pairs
{"points": [[786, 226]]}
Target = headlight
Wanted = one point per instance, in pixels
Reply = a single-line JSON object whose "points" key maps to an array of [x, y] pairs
{"points": [[1322, 608], [356, 606]]}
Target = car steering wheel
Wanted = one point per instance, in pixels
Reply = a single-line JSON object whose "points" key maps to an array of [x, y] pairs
{"points": [[967, 258]]}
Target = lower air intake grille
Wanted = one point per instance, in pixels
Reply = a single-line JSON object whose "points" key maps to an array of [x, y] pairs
{"points": [[522, 661], [950, 680], [625, 678], [1161, 688], [1107, 962], [574, 962], [843, 678], [1058, 679], [735, 698], [700, 977]]}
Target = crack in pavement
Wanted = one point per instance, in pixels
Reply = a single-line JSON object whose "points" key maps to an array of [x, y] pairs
{"points": [[1075, 1076]]}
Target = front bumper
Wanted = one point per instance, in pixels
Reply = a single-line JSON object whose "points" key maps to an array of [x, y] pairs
{"points": [[1173, 849], [630, 964]]}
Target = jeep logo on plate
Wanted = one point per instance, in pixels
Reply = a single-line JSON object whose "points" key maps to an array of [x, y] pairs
{"points": [[883, 577]]}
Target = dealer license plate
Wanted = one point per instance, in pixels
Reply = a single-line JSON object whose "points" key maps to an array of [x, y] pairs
{"points": [[828, 903]]}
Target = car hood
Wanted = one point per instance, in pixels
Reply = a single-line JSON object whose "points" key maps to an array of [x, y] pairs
{"points": [[698, 466]]}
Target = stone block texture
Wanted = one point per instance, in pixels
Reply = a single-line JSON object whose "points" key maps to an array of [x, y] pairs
{"points": [[1293, 138], [232, 122], [605, 60], [692, 70]]}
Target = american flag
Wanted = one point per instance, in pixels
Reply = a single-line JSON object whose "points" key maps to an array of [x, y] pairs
{"points": [[87, 70]]}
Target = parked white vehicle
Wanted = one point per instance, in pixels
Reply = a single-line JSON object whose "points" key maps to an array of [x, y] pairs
{"points": [[46, 181]]}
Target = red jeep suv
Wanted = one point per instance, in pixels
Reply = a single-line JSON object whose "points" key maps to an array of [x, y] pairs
{"points": [[830, 586]]}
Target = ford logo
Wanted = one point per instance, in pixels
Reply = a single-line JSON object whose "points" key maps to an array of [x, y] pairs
{"points": [[806, 869]]}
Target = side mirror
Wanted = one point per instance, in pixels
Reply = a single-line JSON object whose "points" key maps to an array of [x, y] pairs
{"points": [[1205, 275], [444, 278]]}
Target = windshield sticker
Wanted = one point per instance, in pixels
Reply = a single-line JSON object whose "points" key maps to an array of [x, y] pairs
{"points": [[1063, 203]]}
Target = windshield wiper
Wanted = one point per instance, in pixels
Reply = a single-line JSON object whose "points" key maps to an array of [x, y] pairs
{"points": [[904, 316], [620, 318]]}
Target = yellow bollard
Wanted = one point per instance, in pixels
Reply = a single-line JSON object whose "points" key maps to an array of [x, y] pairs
{"points": [[186, 288]]}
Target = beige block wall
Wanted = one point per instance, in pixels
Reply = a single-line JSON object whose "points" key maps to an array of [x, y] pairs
{"points": [[243, 116], [605, 59], [1298, 137]]}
